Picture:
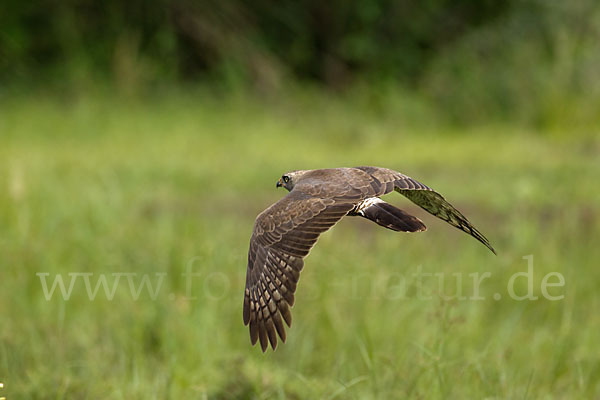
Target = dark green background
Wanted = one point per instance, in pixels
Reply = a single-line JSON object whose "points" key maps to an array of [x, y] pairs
{"points": [[529, 61]]}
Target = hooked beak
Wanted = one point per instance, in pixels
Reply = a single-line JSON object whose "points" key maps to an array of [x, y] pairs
{"points": [[278, 184]]}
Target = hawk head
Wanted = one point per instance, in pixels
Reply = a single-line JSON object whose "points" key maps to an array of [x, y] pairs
{"points": [[289, 179]]}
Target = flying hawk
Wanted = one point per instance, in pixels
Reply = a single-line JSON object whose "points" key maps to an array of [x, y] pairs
{"points": [[285, 232]]}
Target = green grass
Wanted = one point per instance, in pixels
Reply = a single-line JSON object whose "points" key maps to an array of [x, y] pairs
{"points": [[106, 186]]}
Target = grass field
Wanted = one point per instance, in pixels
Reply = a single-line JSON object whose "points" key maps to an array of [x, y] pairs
{"points": [[170, 186]]}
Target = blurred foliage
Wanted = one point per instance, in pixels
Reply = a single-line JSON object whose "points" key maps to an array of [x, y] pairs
{"points": [[531, 61], [330, 42], [539, 65]]}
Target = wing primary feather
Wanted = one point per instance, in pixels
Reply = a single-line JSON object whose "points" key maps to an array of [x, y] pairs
{"points": [[270, 327], [262, 335], [246, 313], [279, 326], [287, 316], [253, 332]]}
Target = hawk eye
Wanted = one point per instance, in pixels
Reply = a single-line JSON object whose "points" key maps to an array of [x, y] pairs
{"points": [[286, 178]]}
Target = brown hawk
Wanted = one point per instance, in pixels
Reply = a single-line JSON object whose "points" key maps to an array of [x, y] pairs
{"points": [[285, 232]]}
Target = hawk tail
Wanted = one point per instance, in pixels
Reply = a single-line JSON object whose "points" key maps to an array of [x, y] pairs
{"points": [[388, 216]]}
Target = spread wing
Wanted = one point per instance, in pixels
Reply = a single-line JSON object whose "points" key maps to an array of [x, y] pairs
{"points": [[283, 235], [385, 180]]}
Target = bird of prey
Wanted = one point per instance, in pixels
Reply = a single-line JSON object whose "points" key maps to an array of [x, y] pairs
{"points": [[286, 231]]}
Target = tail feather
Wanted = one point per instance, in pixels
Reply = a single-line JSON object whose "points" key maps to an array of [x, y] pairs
{"points": [[393, 218]]}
